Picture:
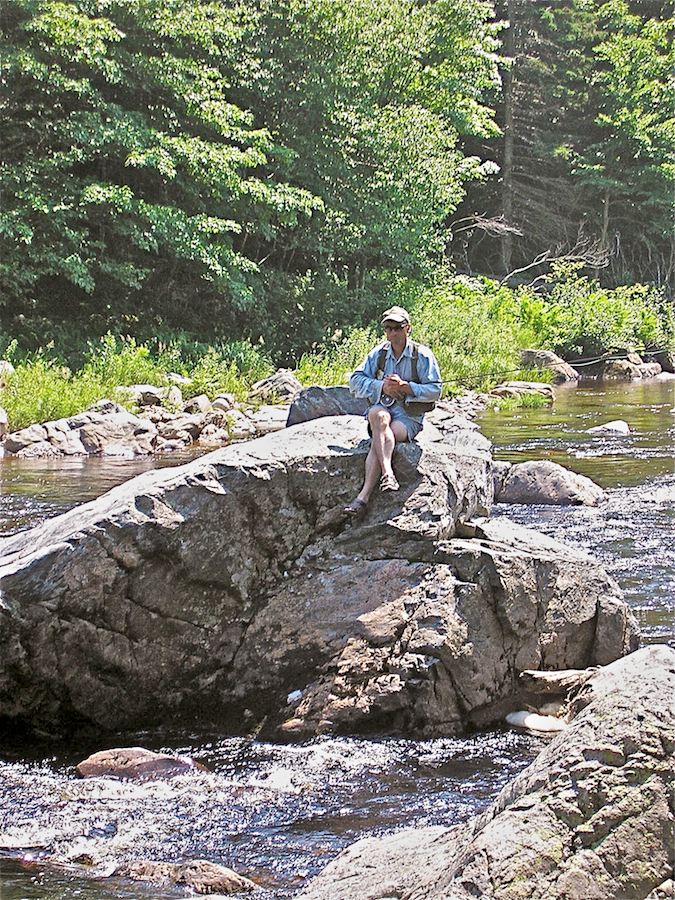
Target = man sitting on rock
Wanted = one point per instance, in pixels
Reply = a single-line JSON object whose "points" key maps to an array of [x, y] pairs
{"points": [[401, 380]]}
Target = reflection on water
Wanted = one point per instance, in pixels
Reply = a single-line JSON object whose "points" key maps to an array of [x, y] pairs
{"points": [[35, 489], [278, 813], [560, 432]]}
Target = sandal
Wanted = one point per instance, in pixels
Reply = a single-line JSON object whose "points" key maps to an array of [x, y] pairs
{"points": [[356, 508], [389, 483]]}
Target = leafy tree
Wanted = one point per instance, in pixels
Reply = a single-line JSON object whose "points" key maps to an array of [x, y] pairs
{"points": [[370, 97], [126, 172], [229, 167], [629, 170]]}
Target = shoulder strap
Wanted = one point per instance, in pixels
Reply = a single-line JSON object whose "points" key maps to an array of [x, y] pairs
{"points": [[379, 371], [415, 354]]}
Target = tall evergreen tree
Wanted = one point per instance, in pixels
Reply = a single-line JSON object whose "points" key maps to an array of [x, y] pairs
{"points": [[587, 155]]}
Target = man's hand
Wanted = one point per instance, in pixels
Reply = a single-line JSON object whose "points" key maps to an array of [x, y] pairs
{"points": [[395, 386]]}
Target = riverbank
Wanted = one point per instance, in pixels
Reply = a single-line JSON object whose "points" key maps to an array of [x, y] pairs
{"points": [[478, 328]]}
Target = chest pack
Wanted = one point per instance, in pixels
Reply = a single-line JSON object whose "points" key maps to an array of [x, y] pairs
{"points": [[415, 408]]}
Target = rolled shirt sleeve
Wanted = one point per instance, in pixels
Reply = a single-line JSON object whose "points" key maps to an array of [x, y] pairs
{"points": [[363, 382]]}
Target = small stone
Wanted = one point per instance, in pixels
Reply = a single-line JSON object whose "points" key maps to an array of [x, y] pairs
{"points": [[198, 404], [225, 402]]}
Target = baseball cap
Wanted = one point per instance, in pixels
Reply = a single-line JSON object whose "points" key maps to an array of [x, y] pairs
{"points": [[396, 314]]}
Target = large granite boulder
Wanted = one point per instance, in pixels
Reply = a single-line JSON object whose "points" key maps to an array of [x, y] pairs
{"points": [[591, 818], [316, 402], [429, 642], [234, 590], [283, 385], [546, 482], [547, 359]]}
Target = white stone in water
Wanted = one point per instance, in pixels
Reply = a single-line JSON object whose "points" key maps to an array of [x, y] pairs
{"points": [[534, 722], [616, 427]]}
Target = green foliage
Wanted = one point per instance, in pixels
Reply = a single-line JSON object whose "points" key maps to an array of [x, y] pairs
{"points": [[229, 370], [463, 321], [477, 327], [39, 390], [631, 164], [123, 158], [208, 166], [580, 319], [335, 364], [43, 388], [588, 162], [119, 361]]}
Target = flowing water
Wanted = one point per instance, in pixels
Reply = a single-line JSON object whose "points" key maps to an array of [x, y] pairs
{"points": [[279, 813], [632, 531]]}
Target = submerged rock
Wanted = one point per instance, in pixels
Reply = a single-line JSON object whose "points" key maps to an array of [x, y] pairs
{"points": [[618, 426], [212, 591], [591, 817], [535, 722], [199, 875], [134, 763]]}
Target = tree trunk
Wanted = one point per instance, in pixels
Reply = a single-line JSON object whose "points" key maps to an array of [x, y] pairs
{"points": [[507, 164]]}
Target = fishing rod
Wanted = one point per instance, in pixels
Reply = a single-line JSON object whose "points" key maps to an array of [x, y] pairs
{"points": [[576, 364]]}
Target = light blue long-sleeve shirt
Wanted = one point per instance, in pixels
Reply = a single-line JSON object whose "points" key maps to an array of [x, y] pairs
{"points": [[364, 382]]}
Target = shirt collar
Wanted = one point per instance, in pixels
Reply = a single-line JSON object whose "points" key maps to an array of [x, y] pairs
{"points": [[407, 351]]}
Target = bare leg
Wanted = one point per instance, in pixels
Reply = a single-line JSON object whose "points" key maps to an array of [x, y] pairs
{"points": [[385, 434]]}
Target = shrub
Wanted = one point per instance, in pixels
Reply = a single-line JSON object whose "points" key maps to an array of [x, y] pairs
{"points": [[40, 390], [579, 319]]}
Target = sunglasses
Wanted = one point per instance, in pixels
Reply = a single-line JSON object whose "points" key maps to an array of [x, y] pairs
{"points": [[393, 327]]}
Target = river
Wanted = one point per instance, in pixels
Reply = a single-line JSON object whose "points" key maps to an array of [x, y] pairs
{"points": [[279, 813]]}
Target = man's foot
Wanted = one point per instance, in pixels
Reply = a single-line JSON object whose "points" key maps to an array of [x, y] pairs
{"points": [[388, 483], [356, 508]]}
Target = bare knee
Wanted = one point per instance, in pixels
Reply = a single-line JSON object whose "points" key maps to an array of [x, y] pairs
{"points": [[379, 418]]}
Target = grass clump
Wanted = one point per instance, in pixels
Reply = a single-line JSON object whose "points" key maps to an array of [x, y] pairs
{"points": [[40, 390], [43, 388]]}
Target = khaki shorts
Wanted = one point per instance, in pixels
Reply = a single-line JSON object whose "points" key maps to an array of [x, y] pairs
{"points": [[398, 414]]}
